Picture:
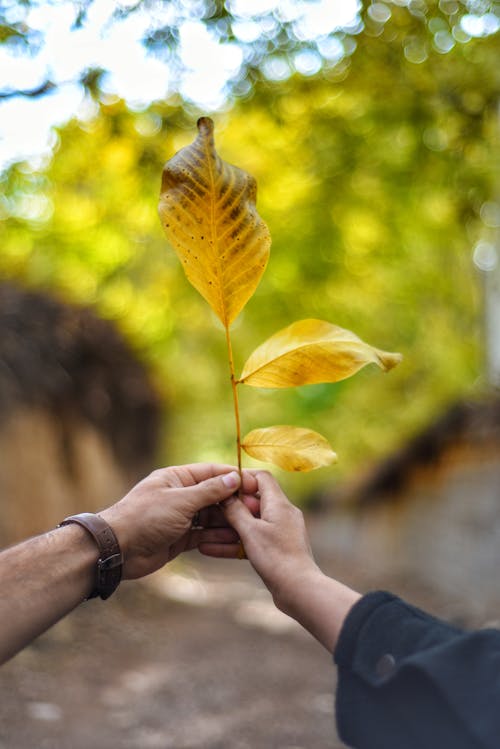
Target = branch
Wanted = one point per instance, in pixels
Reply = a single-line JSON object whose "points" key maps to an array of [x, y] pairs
{"points": [[31, 93]]}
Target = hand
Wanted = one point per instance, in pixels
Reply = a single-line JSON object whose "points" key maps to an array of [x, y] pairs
{"points": [[276, 542], [277, 546], [47, 576], [153, 521]]}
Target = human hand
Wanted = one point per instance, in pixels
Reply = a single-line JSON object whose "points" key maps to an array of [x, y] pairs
{"points": [[276, 542], [277, 545], [153, 522]]}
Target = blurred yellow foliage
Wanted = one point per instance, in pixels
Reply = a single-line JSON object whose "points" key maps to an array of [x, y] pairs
{"points": [[372, 183]]}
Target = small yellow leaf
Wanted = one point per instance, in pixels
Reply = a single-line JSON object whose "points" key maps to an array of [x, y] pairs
{"points": [[207, 209], [290, 448], [308, 352]]}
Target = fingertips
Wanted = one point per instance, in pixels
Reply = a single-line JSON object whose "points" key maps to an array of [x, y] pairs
{"points": [[231, 480], [269, 488], [249, 482], [222, 551], [252, 503], [237, 514], [266, 480], [213, 490]]}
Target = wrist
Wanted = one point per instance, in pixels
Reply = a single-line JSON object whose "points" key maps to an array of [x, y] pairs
{"points": [[112, 518], [82, 559], [290, 596], [108, 571], [319, 603]]}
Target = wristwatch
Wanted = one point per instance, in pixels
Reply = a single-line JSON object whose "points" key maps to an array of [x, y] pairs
{"points": [[110, 562]]}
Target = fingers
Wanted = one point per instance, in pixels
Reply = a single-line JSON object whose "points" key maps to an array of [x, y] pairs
{"points": [[219, 542], [249, 485], [242, 514], [195, 473], [219, 487], [238, 516], [217, 536], [211, 536], [252, 503], [222, 551], [213, 516], [271, 493], [212, 490]]}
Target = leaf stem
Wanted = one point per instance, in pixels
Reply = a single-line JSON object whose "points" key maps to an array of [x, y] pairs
{"points": [[235, 396]]}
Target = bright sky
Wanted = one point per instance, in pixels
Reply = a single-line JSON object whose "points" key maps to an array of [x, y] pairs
{"points": [[25, 124], [139, 77]]}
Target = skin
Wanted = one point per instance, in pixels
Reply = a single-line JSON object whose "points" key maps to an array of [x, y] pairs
{"points": [[46, 577], [277, 545]]}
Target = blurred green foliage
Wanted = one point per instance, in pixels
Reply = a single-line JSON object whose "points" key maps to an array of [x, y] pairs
{"points": [[373, 177], [269, 38]]}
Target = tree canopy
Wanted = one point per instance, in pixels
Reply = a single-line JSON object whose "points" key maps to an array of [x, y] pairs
{"points": [[269, 39], [377, 176]]}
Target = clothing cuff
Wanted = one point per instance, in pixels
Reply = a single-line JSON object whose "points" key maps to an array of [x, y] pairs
{"points": [[354, 623], [381, 630]]}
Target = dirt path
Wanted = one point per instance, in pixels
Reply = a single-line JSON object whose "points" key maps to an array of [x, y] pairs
{"points": [[150, 669], [197, 657]]}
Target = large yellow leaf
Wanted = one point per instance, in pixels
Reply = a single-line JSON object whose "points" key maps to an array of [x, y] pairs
{"points": [[290, 448], [311, 351], [207, 208]]}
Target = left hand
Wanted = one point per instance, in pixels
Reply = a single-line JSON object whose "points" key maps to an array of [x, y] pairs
{"points": [[153, 521]]}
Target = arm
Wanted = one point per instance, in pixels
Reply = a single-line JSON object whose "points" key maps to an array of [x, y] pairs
{"points": [[40, 581], [405, 679], [44, 578], [277, 545], [278, 548]]}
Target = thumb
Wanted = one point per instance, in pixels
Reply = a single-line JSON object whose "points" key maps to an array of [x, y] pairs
{"points": [[213, 490]]}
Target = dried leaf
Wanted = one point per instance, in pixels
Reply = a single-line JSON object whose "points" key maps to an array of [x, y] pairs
{"points": [[290, 448], [207, 208], [311, 351]]}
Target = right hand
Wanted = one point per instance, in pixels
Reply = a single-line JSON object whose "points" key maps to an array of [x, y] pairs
{"points": [[153, 521], [277, 545], [276, 542]]}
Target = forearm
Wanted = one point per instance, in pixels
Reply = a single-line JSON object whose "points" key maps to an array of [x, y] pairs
{"points": [[320, 604], [278, 547], [41, 580], [44, 578]]}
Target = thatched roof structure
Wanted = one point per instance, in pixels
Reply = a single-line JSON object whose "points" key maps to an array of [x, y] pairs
{"points": [[66, 360], [470, 429]]}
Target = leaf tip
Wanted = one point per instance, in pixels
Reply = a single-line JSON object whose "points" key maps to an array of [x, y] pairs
{"points": [[205, 126], [390, 360]]}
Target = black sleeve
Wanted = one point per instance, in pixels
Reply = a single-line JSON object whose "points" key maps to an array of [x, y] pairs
{"points": [[409, 681]]}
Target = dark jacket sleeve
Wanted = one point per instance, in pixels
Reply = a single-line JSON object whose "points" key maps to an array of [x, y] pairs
{"points": [[409, 681]]}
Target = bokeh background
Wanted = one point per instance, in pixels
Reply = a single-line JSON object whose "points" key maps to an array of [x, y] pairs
{"points": [[374, 141], [373, 130]]}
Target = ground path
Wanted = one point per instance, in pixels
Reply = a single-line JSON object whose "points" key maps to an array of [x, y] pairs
{"points": [[152, 669], [197, 657]]}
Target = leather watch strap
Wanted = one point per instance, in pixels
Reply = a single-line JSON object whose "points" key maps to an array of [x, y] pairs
{"points": [[110, 562]]}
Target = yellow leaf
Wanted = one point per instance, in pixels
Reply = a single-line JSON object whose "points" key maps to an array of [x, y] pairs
{"points": [[207, 208], [290, 448], [311, 351]]}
